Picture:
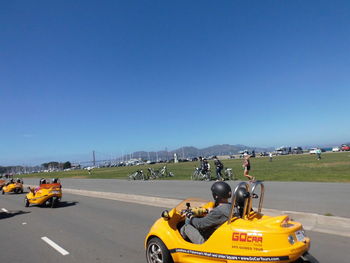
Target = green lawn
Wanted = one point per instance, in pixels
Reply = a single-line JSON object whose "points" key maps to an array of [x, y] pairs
{"points": [[333, 167]]}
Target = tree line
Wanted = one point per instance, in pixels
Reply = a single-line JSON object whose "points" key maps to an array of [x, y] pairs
{"points": [[46, 166], [57, 165]]}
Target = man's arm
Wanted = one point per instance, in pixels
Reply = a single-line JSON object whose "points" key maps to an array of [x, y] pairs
{"points": [[213, 219]]}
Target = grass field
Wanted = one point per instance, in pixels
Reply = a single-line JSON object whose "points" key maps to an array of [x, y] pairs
{"points": [[333, 167]]}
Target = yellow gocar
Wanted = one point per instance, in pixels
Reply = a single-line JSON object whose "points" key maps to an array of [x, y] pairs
{"points": [[2, 183], [13, 187], [46, 194], [250, 237]]}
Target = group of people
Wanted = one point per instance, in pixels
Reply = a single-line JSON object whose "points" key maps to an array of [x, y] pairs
{"points": [[13, 181], [204, 167]]}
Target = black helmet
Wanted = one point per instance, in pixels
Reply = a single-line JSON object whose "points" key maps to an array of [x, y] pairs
{"points": [[54, 180], [18, 180], [241, 195], [221, 190], [42, 181]]}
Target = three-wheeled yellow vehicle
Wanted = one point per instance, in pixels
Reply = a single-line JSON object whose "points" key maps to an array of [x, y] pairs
{"points": [[45, 194], [249, 236], [2, 183], [13, 187]]}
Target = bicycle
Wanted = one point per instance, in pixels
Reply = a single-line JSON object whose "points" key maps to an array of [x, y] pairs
{"points": [[165, 173], [199, 175], [229, 175], [138, 175], [152, 174]]}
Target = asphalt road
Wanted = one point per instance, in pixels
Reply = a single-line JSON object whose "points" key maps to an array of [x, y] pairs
{"points": [[99, 230], [320, 198]]}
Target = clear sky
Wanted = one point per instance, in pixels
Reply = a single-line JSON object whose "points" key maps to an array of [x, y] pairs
{"points": [[121, 76]]}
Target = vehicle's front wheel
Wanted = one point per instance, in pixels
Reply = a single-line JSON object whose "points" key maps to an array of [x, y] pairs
{"points": [[26, 202], [157, 252], [307, 258], [53, 202]]}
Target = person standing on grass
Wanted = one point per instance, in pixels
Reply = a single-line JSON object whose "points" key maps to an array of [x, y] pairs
{"points": [[246, 166], [270, 157], [318, 152], [219, 166]]}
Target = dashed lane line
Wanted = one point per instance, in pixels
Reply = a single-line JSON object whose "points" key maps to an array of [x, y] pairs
{"points": [[5, 210], [55, 246]]}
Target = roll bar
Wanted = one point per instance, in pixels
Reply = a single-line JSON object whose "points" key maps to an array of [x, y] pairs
{"points": [[248, 202], [233, 200], [261, 199]]}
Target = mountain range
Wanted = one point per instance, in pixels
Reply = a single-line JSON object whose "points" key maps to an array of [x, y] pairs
{"points": [[191, 152]]}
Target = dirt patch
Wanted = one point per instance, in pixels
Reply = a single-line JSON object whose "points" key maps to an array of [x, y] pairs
{"points": [[318, 165]]}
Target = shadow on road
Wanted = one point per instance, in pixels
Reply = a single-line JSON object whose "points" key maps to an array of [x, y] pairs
{"points": [[61, 204], [4, 215], [66, 204]]}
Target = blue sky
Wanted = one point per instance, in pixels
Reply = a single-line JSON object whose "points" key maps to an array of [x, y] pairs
{"points": [[122, 76]]}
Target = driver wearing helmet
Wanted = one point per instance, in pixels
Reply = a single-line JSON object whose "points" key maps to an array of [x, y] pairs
{"points": [[41, 182], [54, 180], [10, 182], [196, 229]]}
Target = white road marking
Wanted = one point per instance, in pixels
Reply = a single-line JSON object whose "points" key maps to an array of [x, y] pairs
{"points": [[24, 223], [55, 246], [5, 210]]}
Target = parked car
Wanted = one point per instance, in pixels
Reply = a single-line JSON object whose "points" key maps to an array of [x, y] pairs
{"points": [[297, 150], [313, 150], [345, 147], [336, 149]]}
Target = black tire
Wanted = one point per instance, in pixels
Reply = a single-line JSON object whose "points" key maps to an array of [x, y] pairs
{"points": [[194, 176], [309, 258], [53, 202], [157, 252], [26, 202], [2, 192]]}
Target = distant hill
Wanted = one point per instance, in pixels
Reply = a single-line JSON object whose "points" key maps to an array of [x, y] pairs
{"points": [[191, 152]]}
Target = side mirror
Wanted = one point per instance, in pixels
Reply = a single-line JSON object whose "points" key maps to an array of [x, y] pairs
{"points": [[165, 215]]}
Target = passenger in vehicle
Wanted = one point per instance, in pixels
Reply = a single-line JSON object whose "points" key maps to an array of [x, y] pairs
{"points": [[41, 182]]}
